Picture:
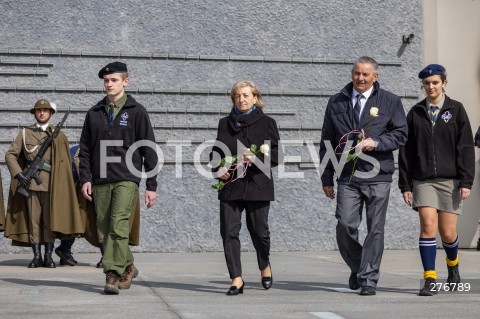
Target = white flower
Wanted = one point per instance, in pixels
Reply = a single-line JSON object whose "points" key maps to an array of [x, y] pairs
{"points": [[374, 111], [264, 149], [229, 159]]}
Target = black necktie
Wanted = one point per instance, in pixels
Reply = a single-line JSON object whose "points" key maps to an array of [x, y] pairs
{"points": [[357, 108], [110, 114]]}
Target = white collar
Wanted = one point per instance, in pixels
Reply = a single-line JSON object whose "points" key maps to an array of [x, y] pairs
{"points": [[365, 94], [43, 127]]}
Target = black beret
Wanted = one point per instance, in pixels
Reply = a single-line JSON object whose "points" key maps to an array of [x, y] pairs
{"points": [[432, 69], [114, 67]]}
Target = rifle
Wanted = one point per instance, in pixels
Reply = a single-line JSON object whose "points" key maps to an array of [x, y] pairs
{"points": [[32, 171]]}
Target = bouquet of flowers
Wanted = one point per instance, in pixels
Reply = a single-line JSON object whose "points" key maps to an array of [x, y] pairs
{"points": [[360, 137], [231, 163]]}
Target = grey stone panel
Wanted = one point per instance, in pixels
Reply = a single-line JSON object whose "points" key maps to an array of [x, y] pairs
{"points": [[70, 89], [97, 54], [28, 62], [71, 53], [176, 56], [334, 61], [136, 55], [20, 72], [159, 55], [167, 91], [277, 59], [246, 58], [54, 52], [214, 57], [146, 90], [35, 88], [94, 89], [24, 52], [302, 60]]}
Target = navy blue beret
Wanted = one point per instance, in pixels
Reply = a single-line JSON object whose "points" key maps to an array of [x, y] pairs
{"points": [[114, 67], [432, 69]]}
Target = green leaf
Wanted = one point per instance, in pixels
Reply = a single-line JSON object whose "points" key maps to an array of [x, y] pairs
{"points": [[351, 157], [218, 185], [359, 138], [253, 148]]}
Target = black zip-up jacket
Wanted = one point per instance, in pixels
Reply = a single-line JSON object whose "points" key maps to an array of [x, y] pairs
{"points": [[254, 128], [131, 125], [446, 153], [388, 129]]}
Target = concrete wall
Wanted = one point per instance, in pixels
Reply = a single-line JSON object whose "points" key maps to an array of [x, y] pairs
{"points": [[183, 56]]}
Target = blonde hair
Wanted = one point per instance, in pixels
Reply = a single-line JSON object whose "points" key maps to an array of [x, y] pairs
{"points": [[255, 92]]}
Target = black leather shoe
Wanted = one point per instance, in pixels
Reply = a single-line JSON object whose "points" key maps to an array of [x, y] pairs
{"points": [[429, 288], [368, 291], [100, 263], [353, 281], [267, 282], [478, 244], [234, 290], [66, 257]]}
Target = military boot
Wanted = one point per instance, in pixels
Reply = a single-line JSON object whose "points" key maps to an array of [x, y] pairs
{"points": [[37, 257], [48, 260], [102, 249]]}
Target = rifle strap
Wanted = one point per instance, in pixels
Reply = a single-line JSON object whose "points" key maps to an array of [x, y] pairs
{"points": [[25, 144]]}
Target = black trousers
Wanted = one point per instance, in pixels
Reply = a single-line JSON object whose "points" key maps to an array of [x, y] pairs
{"points": [[257, 225]]}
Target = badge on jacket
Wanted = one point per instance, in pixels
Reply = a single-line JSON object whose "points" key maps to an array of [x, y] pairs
{"points": [[124, 118], [446, 116]]}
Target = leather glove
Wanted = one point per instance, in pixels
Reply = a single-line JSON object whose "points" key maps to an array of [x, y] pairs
{"points": [[24, 182]]}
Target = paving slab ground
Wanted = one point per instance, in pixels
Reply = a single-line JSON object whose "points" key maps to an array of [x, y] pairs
{"points": [[192, 285]]}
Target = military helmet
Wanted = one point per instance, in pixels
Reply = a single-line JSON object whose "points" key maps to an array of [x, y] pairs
{"points": [[43, 104]]}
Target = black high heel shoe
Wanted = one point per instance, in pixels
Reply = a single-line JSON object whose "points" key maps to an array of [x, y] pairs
{"points": [[267, 282], [234, 290]]}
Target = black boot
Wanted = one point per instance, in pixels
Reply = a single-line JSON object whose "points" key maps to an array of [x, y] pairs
{"points": [[48, 260], [37, 257], [102, 249]]}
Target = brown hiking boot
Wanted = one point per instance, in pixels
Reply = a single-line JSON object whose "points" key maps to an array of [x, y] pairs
{"points": [[111, 283], [126, 279]]}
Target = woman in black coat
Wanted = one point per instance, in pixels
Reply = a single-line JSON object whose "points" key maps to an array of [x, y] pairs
{"points": [[247, 184]]}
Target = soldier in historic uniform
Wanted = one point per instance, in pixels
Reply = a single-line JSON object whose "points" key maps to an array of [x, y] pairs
{"points": [[51, 208], [2, 207]]}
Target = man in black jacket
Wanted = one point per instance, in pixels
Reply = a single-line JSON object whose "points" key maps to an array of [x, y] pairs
{"points": [[114, 126], [372, 122], [477, 144]]}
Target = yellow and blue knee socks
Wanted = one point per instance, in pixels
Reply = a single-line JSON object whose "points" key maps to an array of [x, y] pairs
{"points": [[451, 249], [428, 254]]}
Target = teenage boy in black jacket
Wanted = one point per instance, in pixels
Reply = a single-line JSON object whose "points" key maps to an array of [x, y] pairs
{"points": [[111, 127]]}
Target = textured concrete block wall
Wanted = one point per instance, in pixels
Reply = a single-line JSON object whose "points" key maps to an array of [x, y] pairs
{"points": [[183, 56]]}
